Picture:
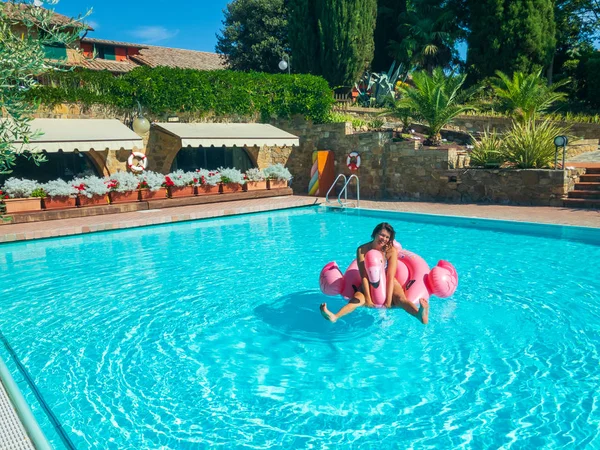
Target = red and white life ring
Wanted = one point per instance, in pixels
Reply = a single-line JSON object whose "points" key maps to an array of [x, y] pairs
{"points": [[141, 165], [353, 161]]}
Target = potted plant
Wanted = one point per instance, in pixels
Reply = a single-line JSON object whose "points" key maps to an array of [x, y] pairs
{"points": [[59, 195], [231, 180], [206, 182], [151, 186], [122, 187], [255, 180], [20, 198], [92, 191], [180, 184], [277, 176]]}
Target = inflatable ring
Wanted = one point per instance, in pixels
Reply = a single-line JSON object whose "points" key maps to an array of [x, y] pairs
{"points": [[139, 167], [353, 161]]}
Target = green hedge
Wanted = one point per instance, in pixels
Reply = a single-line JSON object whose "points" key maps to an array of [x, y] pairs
{"points": [[592, 75], [165, 90]]}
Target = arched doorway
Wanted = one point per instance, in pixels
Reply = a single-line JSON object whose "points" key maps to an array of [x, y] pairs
{"points": [[65, 165], [211, 158]]}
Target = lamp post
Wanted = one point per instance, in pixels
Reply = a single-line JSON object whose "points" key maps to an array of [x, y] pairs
{"points": [[283, 64], [560, 141]]}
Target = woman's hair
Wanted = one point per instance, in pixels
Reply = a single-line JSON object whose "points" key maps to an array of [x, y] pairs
{"points": [[387, 227]]}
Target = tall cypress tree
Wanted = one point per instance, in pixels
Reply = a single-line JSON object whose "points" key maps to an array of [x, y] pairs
{"points": [[303, 36], [510, 36], [387, 29], [346, 30]]}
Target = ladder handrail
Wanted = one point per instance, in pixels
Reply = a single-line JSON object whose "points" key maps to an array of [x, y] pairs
{"points": [[333, 185], [345, 191]]}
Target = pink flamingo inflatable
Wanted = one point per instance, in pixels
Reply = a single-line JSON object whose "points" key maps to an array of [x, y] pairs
{"points": [[412, 273]]}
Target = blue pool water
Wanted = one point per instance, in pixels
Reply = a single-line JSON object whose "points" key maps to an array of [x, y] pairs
{"points": [[207, 334]]}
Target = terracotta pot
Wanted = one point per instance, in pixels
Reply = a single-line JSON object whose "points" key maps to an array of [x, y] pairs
{"points": [[147, 194], [207, 190], [59, 202], [124, 197], [255, 185], [17, 205], [227, 188], [184, 191], [95, 200], [277, 184]]}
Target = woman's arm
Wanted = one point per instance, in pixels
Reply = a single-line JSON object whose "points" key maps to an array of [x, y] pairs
{"points": [[360, 261], [392, 263]]}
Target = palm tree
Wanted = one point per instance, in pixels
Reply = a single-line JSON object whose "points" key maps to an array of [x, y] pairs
{"points": [[436, 99], [525, 95]]}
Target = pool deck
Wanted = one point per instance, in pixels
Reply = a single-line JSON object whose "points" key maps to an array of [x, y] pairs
{"points": [[91, 224]]}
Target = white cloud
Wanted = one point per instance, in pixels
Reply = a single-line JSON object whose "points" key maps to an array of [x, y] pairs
{"points": [[151, 35], [95, 25]]}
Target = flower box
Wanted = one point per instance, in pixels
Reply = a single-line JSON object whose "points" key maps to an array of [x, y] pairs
{"points": [[18, 205], [227, 188], [207, 189], [94, 200], [123, 197], [277, 184], [183, 191], [147, 194], [59, 202], [255, 185]]}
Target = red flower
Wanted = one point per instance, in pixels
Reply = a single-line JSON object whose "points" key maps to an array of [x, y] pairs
{"points": [[168, 182], [80, 187]]}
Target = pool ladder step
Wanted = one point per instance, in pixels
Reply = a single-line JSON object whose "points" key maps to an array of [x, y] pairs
{"points": [[344, 191]]}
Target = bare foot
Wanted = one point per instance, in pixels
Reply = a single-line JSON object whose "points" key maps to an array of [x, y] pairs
{"points": [[326, 313], [423, 314]]}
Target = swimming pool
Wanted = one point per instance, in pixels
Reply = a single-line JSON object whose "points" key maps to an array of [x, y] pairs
{"points": [[207, 333]]}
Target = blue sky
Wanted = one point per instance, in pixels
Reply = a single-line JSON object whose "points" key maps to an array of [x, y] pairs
{"points": [[190, 24]]}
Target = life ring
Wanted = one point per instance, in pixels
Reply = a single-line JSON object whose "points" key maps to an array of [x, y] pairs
{"points": [[140, 166], [353, 161]]}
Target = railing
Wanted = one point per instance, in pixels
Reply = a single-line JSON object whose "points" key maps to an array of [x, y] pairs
{"points": [[344, 190]]}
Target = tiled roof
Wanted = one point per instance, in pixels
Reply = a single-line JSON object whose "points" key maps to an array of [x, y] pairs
{"points": [[105, 64], [19, 11], [174, 57], [87, 40]]}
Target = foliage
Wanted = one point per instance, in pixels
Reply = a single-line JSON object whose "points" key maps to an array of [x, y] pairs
{"points": [[122, 182], [22, 59], [254, 174], [254, 35], [229, 175], [379, 88], [592, 78], [515, 36], [303, 34], [436, 99], [488, 150], [525, 95], [90, 186], [59, 188], [400, 110], [530, 144], [19, 187], [150, 180], [164, 90], [386, 30], [181, 178], [375, 124], [277, 172]]}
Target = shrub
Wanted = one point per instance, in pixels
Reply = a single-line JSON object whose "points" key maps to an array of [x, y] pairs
{"points": [[229, 175], [488, 150], [90, 186], [255, 174], [181, 178], [122, 182], [59, 188], [19, 187], [150, 180], [530, 145], [277, 172]]}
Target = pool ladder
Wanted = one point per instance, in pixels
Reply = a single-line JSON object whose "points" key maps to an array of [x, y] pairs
{"points": [[344, 191]]}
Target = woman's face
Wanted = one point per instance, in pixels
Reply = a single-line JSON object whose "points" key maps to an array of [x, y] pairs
{"points": [[381, 239]]}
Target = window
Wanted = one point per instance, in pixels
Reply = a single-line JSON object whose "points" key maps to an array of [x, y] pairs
{"points": [[211, 158], [57, 51], [59, 165]]}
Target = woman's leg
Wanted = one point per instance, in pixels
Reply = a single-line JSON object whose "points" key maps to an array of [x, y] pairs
{"points": [[399, 300], [353, 303]]}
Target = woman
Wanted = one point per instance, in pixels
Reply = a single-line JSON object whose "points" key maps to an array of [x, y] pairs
{"points": [[382, 240]]}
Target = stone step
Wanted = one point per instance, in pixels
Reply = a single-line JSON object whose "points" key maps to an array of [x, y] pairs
{"points": [[581, 203], [590, 178], [592, 170], [587, 186], [585, 194]]}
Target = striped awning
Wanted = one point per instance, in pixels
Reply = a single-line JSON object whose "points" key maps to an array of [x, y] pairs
{"points": [[228, 134], [82, 135]]}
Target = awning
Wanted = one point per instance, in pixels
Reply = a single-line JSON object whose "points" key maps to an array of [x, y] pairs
{"points": [[82, 135], [229, 134]]}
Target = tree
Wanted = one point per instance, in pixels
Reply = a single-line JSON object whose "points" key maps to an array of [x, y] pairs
{"points": [[25, 32], [386, 31], [254, 35], [303, 36], [510, 36]]}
